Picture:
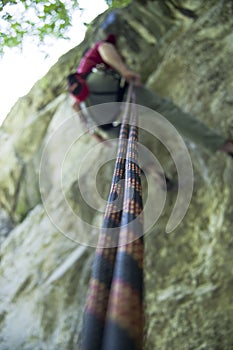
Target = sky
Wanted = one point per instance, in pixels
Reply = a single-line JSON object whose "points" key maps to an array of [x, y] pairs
{"points": [[19, 71]]}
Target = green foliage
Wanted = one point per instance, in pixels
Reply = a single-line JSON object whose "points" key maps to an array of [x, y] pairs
{"points": [[38, 19], [117, 3]]}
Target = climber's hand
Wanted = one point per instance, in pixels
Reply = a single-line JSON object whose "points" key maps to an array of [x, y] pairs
{"points": [[131, 76], [227, 148]]}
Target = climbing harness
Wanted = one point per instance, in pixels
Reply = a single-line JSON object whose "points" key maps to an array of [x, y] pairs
{"points": [[114, 317], [97, 87], [112, 84]]}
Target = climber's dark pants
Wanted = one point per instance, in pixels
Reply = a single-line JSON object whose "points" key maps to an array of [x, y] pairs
{"points": [[189, 126]]}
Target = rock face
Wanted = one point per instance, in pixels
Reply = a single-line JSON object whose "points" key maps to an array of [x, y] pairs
{"points": [[183, 49]]}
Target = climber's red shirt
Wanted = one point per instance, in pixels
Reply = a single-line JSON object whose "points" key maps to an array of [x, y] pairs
{"points": [[91, 59]]}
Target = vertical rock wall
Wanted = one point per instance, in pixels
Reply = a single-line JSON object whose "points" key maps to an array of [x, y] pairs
{"points": [[183, 49]]}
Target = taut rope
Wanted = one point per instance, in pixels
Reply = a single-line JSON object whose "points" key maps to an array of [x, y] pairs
{"points": [[114, 317]]}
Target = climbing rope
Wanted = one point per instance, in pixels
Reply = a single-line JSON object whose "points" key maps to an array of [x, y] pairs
{"points": [[114, 316]]}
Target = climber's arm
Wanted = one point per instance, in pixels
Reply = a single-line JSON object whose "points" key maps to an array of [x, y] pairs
{"points": [[111, 56], [77, 108]]}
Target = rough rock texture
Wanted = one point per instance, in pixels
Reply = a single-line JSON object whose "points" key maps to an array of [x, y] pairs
{"points": [[183, 50]]}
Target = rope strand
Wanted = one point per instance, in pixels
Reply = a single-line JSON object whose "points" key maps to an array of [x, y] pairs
{"points": [[114, 312]]}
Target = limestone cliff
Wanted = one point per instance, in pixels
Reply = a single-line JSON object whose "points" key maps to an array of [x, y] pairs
{"points": [[183, 49]]}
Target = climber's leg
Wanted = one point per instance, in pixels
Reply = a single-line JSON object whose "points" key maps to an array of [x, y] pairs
{"points": [[189, 126]]}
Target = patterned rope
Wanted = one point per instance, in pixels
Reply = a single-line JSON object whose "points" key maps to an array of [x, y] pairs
{"points": [[114, 312]]}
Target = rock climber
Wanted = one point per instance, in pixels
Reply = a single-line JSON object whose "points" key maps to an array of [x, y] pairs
{"points": [[106, 77]]}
